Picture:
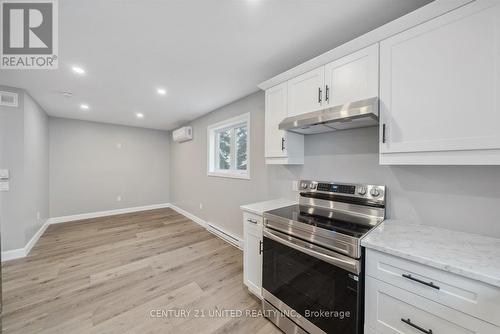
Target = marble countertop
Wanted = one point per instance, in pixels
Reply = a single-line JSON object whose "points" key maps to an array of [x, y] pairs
{"points": [[470, 255], [260, 207]]}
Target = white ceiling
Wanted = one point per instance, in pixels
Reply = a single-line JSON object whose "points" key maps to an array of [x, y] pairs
{"points": [[206, 53]]}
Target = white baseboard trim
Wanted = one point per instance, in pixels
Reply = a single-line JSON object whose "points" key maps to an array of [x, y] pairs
{"points": [[194, 218], [90, 215], [35, 238], [13, 254], [212, 228], [23, 252]]}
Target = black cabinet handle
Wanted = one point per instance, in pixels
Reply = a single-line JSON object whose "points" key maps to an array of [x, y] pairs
{"points": [[327, 94], [319, 94], [430, 284], [260, 247], [409, 323], [383, 133], [252, 221], [282, 143]]}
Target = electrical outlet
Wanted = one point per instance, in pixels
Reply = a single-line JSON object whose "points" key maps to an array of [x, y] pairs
{"points": [[119, 198], [295, 185], [38, 215], [201, 206]]}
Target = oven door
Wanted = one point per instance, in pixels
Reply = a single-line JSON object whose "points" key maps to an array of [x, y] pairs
{"points": [[320, 289]]}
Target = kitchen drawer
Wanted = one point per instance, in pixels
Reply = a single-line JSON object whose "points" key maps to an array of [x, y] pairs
{"points": [[389, 310], [463, 294], [252, 218]]}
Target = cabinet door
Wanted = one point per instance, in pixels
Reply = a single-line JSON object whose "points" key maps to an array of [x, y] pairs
{"points": [[276, 111], [465, 295], [391, 310], [440, 84], [352, 78], [306, 92], [252, 265]]}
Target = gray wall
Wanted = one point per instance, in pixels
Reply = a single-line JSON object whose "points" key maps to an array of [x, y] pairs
{"points": [[220, 197], [23, 150], [36, 166], [456, 197], [88, 170]]}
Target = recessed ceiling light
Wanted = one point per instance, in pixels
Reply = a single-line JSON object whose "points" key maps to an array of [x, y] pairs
{"points": [[78, 70], [139, 115], [84, 106], [161, 91]]}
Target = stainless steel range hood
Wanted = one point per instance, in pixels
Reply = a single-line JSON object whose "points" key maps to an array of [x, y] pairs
{"points": [[357, 114]]}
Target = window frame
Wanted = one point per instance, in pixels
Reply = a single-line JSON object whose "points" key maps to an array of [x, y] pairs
{"points": [[213, 148]]}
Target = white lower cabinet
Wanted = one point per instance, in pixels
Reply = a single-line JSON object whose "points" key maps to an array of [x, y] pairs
{"points": [[252, 253], [405, 297], [463, 294], [393, 310]]}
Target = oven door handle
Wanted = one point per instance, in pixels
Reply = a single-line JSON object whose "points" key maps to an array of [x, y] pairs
{"points": [[338, 260]]}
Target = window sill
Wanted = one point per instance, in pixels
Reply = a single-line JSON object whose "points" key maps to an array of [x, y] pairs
{"points": [[230, 175]]}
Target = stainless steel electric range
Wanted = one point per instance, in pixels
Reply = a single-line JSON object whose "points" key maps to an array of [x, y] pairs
{"points": [[312, 258]]}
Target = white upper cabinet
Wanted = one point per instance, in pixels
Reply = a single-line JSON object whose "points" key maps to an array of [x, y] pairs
{"points": [[352, 78], [306, 92], [440, 89], [281, 147], [348, 79], [276, 101]]}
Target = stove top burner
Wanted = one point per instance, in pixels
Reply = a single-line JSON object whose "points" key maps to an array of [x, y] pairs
{"points": [[331, 215], [325, 219]]}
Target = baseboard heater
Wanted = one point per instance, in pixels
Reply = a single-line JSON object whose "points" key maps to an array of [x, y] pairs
{"points": [[223, 235]]}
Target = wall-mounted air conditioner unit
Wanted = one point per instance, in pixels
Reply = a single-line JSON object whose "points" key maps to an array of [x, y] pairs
{"points": [[183, 134]]}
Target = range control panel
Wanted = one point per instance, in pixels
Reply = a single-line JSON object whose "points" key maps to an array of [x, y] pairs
{"points": [[365, 191], [336, 188]]}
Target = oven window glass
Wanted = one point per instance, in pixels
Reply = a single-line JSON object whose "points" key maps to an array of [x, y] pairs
{"points": [[323, 293]]}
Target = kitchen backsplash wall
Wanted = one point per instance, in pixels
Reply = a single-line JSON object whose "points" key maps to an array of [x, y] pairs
{"points": [[462, 198], [456, 197]]}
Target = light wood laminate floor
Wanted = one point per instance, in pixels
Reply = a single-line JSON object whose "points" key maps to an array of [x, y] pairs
{"points": [[108, 275]]}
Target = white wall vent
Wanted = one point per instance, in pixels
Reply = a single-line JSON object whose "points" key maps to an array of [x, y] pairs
{"points": [[9, 99], [183, 134]]}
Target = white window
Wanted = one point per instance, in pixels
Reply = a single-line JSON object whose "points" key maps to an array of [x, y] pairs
{"points": [[229, 148]]}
